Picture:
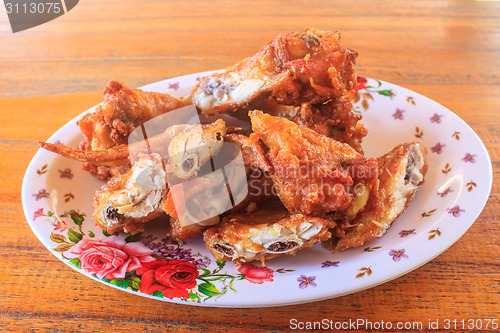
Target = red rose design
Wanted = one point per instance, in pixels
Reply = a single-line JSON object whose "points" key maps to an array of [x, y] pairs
{"points": [[362, 81], [111, 257], [256, 274], [172, 277]]}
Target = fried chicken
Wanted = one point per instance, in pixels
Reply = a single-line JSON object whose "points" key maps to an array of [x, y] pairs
{"points": [[178, 144], [300, 67], [129, 200], [122, 111], [313, 174], [401, 173], [264, 234]]}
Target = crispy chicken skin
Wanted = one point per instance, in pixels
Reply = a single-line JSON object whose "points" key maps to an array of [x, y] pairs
{"points": [[121, 112], [401, 173], [334, 119], [307, 66], [251, 150], [297, 177], [313, 174], [171, 144], [260, 191], [264, 234], [128, 201]]}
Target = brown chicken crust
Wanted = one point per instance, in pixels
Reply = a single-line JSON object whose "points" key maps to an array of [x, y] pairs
{"points": [[306, 66], [103, 211], [251, 231], [121, 112], [382, 209], [313, 174]]}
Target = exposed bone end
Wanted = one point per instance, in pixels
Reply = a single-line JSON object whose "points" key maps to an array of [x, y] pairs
{"points": [[401, 173], [249, 237], [126, 202], [191, 148]]}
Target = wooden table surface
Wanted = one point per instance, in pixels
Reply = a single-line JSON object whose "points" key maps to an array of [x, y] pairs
{"points": [[446, 50]]}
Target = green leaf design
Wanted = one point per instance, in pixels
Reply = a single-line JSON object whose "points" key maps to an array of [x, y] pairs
{"points": [[388, 93], [206, 272], [208, 288], [135, 285], [221, 264], [77, 218], [91, 234], [122, 283], [74, 236], [75, 262], [105, 233], [158, 293], [133, 238], [194, 296]]}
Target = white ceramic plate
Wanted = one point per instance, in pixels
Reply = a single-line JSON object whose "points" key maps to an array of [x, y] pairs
{"points": [[57, 200]]}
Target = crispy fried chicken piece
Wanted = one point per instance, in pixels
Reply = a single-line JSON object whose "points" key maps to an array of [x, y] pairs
{"points": [[121, 112], [401, 173], [182, 232], [128, 201], [264, 234], [176, 144], [251, 149], [202, 200], [260, 191], [313, 174], [307, 66], [334, 119]]}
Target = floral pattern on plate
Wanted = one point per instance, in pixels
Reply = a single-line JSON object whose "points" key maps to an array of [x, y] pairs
{"points": [[57, 200]]}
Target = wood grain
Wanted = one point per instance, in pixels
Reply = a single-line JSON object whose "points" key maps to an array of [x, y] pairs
{"points": [[446, 50]]}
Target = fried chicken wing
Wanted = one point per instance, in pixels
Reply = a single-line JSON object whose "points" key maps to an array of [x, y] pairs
{"points": [[128, 201], [121, 112], [251, 149], [264, 234], [334, 119], [193, 147], [308, 66], [313, 174], [177, 144], [401, 173]]}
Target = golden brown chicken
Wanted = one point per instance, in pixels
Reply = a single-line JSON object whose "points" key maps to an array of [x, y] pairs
{"points": [[122, 111], [334, 119], [309, 66], [128, 201], [264, 234], [177, 144], [401, 173], [314, 174]]}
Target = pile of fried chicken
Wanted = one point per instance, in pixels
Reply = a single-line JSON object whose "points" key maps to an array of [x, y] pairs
{"points": [[293, 94]]}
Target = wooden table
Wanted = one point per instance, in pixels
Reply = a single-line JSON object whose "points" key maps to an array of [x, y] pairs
{"points": [[446, 50]]}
